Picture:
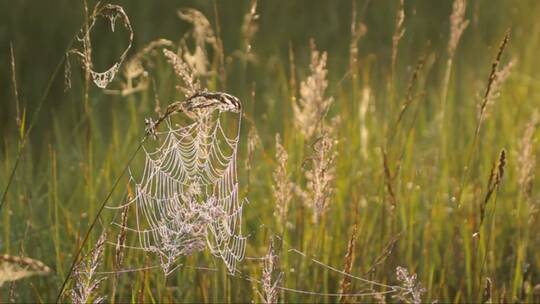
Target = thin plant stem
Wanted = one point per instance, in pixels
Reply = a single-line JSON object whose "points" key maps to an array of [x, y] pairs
{"points": [[35, 116]]}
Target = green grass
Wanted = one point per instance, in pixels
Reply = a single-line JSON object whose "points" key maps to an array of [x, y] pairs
{"points": [[75, 153]]}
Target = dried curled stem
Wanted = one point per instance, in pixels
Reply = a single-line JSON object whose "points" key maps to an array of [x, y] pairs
{"points": [[202, 101], [136, 77]]}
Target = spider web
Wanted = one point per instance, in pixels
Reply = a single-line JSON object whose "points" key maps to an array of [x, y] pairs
{"points": [[187, 196]]}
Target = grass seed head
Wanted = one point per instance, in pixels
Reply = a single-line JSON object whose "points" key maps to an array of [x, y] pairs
{"points": [[87, 282], [271, 279], [320, 178], [411, 290], [202, 35], [527, 158], [191, 84], [282, 187], [496, 79], [458, 24], [250, 27], [345, 285], [313, 103], [399, 31], [14, 268]]}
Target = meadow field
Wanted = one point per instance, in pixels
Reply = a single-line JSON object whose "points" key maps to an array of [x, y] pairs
{"points": [[256, 151]]}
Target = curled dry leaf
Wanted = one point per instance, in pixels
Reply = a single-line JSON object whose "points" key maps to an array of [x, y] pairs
{"points": [[13, 268], [136, 77]]}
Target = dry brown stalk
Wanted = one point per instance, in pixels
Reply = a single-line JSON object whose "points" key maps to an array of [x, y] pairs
{"points": [[358, 30], [488, 292], [495, 81], [253, 142], [410, 96], [292, 80], [388, 179], [249, 29], [121, 240], [18, 118], [144, 275], [120, 245], [388, 249], [458, 24], [202, 30], [399, 31], [495, 178], [362, 117], [220, 51], [345, 286]]}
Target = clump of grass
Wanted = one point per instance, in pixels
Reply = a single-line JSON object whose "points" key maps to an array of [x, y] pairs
{"points": [[310, 119], [496, 79], [409, 172]]}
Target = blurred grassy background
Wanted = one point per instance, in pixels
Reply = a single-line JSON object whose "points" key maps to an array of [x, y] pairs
{"points": [[74, 155]]}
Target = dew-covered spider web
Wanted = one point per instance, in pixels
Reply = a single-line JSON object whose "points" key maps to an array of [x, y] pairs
{"points": [[187, 197]]}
